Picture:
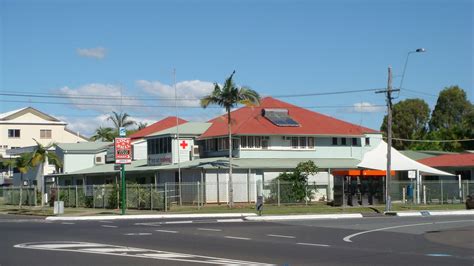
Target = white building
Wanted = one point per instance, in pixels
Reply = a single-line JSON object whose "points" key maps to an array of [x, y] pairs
{"points": [[20, 128]]}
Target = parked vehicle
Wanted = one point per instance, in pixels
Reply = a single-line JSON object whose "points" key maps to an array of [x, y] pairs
{"points": [[470, 202]]}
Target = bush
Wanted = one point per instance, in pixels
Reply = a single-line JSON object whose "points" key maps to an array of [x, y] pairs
{"points": [[294, 186]]}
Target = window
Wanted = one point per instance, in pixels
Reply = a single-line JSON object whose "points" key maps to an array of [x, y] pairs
{"points": [[13, 133], [294, 142], [302, 142], [367, 141], [243, 141], [265, 141], [251, 141], [45, 133], [159, 146], [310, 142], [354, 141], [98, 159], [343, 141], [334, 141], [258, 142]]}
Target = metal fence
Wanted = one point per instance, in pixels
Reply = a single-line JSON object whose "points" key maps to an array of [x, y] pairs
{"points": [[431, 192], [162, 197]]}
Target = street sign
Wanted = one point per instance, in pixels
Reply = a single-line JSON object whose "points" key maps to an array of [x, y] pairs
{"points": [[123, 151], [122, 132], [411, 174], [117, 167]]}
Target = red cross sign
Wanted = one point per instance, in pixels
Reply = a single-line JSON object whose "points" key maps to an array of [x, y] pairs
{"points": [[184, 144]]}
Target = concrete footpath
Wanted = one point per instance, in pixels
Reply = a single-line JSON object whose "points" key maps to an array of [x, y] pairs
{"points": [[253, 216]]}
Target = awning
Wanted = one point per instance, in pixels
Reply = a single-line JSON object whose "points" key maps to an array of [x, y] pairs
{"points": [[377, 159]]}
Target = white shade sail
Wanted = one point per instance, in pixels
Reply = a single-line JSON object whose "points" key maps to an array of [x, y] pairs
{"points": [[377, 159]]}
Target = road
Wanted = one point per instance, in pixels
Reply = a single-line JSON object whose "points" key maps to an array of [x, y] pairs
{"points": [[442, 240]]}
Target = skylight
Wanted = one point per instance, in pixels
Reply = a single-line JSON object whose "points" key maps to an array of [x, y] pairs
{"points": [[279, 117]]}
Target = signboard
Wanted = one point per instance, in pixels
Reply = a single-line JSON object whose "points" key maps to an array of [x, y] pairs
{"points": [[123, 150], [122, 132], [159, 159], [411, 174]]}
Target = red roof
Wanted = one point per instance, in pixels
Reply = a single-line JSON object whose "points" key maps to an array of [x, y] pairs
{"points": [[450, 160], [163, 124], [249, 121]]}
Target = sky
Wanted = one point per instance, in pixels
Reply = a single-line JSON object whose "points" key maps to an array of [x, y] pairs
{"points": [[123, 55]]}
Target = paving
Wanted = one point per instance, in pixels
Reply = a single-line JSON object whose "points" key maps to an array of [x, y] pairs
{"points": [[392, 240]]}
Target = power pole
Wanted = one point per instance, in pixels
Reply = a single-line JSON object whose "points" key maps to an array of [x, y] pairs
{"points": [[388, 92]]}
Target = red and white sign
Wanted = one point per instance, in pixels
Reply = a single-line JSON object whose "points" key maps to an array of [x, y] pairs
{"points": [[123, 150], [184, 145]]}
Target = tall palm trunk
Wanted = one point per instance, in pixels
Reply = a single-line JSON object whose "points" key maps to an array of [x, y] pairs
{"points": [[21, 190], [231, 186]]}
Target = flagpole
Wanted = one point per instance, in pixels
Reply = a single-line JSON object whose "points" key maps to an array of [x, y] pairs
{"points": [[177, 135]]}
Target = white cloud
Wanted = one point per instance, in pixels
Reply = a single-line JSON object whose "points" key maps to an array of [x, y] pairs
{"points": [[188, 92], [86, 126], [97, 53], [366, 107], [99, 97]]}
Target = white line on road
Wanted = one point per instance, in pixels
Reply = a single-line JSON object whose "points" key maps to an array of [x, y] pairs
{"points": [[167, 231], [348, 238], [137, 234], [109, 226], [103, 249], [281, 236], [229, 220], [67, 223], [106, 222], [180, 222], [312, 244], [239, 238], [210, 229]]}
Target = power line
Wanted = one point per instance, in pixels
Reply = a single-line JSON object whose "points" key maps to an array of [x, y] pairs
{"points": [[172, 106], [323, 93], [432, 141]]}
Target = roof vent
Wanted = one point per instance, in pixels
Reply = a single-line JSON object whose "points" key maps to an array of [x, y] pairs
{"points": [[279, 117]]}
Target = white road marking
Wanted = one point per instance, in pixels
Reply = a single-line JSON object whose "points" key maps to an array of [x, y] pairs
{"points": [[179, 222], [348, 238], [236, 237], [109, 226], [137, 234], [229, 220], [112, 250], [106, 222], [149, 224], [167, 231], [67, 223], [313, 244], [78, 245], [281, 236], [210, 229]]}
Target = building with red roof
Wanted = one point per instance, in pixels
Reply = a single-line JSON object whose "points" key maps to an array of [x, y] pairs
{"points": [[139, 142], [163, 124], [459, 164]]}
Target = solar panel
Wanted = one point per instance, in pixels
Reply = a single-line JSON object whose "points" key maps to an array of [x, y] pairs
{"points": [[279, 117]]}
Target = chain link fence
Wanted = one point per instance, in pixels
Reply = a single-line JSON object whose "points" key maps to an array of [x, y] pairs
{"points": [[431, 192]]}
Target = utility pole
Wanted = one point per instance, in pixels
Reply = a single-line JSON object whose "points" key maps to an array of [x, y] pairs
{"points": [[388, 92]]}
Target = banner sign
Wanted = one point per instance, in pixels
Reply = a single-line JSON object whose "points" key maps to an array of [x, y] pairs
{"points": [[123, 150]]}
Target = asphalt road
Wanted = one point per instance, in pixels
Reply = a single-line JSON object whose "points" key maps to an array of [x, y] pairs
{"points": [[446, 240]]}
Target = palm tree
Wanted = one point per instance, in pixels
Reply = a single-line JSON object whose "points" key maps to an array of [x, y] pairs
{"points": [[103, 134], [40, 156], [229, 96], [23, 164], [121, 120], [142, 125]]}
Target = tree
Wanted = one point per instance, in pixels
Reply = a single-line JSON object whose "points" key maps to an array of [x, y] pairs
{"points": [[294, 187], [452, 118], [121, 120], [142, 125], [23, 164], [104, 134], [410, 118], [39, 157], [228, 97]]}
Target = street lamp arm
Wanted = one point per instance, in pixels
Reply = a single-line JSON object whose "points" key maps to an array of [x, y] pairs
{"points": [[419, 50]]}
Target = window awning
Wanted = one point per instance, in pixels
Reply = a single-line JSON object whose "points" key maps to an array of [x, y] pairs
{"points": [[377, 159]]}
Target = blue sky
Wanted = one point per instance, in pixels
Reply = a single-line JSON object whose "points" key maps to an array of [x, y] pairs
{"points": [[105, 48]]}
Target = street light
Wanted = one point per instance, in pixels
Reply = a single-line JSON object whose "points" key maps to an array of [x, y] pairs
{"points": [[419, 50], [388, 92]]}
